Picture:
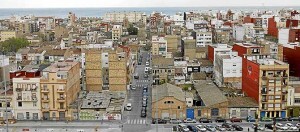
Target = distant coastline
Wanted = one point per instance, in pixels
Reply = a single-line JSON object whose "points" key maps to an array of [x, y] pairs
{"points": [[98, 12]]}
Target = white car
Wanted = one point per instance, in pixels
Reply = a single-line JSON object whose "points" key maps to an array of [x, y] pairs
{"points": [[128, 107], [133, 87], [259, 127], [201, 128], [147, 63], [291, 126], [189, 120], [280, 126]]}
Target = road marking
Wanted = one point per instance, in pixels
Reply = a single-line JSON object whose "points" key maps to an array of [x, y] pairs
{"points": [[144, 121], [140, 121], [135, 121], [128, 121]]}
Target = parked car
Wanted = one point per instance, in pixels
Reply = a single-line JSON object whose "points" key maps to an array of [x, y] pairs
{"points": [[227, 126], [269, 126], [201, 128], [189, 120], [147, 63], [145, 98], [237, 127], [259, 127], [128, 107], [192, 128], [220, 128], [291, 126], [235, 119], [205, 120], [210, 128], [266, 119], [143, 113], [133, 87], [159, 121], [250, 119], [183, 128], [280, 126], [293, 119], [145, 75], [298, 125], [175, 121], [145, 88], [144, 104], [220, 119], [281, 119], [144, 109]]}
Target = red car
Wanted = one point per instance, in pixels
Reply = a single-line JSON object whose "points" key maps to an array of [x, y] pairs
{"points": [[235, 119]]}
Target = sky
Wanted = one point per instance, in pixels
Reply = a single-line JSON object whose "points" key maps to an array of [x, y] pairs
{"points": [[141, 3]]}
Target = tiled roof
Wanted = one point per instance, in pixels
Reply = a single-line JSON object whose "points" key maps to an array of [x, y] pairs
{"points": [[242, 102], [162, 62], [167, 90]]}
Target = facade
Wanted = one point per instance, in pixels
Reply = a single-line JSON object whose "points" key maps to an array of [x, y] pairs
{"points": [[203, 39], [238, 33], [117, 71], [168, 101], [189, 49], [293, 102], [132, 17], [5, 35], [60, 85], [93, 70], [242, 107], [117, 31], [162, 69], [291, 55], [228, 68], [214, 49], [6, 102], [159, 46]]}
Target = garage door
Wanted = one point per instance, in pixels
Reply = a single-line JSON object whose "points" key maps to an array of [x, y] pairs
{"points": [[244, 113], [165, 114], [252, 113]]}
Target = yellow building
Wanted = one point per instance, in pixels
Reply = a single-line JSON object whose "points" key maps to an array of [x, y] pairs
{"points": [[5, 35], [93, 69], [60, 85]]}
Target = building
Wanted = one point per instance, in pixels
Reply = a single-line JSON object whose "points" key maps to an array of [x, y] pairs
{"points": [[266, 81], [203, 38], [26, 89], [60, 86], [6, 102], [293, 102], [132, 17], [189, 47], [287, 35], [228, 68], [159, 46], [117, 32], [168, 101], [291, 55], [242, 107], [238, 32], [5, 35], [212, 102], [162, 69], [4, 69], [214, 49], [94, 70], [173, 42]]}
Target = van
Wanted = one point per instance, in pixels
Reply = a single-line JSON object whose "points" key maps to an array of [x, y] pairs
{"points": [[128, 107]]}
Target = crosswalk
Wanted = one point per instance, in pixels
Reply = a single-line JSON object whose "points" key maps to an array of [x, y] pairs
{"points": [[136, 121], [140, 85], [142, 80]]}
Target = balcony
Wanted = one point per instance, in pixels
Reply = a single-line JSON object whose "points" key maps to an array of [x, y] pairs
{"points": [[34, 99], [263, 92], [284, 92], [264, 100], [61, 99], [19, 98], [18, 89], [45, 100], [44, 90], [44, 109], [61, 109], [264, 77], [60, 90]]}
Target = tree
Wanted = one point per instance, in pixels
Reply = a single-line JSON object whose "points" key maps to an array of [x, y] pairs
{"points": [[132, 30], [13, 44]]}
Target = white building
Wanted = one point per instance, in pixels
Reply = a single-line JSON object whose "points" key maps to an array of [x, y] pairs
{"points": [[159, 46], [248, 27], [228, 68], [116, 32], [178, 19], [26, 97], [283, 35], [238, 33], [203, 39], [224, 48]]}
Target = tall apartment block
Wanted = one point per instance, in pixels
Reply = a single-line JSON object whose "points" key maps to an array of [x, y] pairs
{"points": [[117, 71], [60, 85], [93, 69]]}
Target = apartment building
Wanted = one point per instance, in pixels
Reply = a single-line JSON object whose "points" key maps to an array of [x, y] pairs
{"points": [[163, 69], [238, 32], [159, 46], [203, 38], [173, 42], [6, 105], [293, 102], [117, 31], [132, 17], [60, 85], [291, 55], [214, 49], [5, 35], [26, 89], [93, 70], [288, 35], [189, 49], [228, 68], [266, 81]]}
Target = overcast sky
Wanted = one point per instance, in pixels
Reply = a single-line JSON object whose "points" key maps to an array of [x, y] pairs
{"points": [[141, 3]]}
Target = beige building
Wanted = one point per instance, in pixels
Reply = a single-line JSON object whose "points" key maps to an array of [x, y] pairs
{"points": [[173, 42], [132, 17], [117, 31], [163, 69], [159, 46], [60, 85], [93, 70], [6, 101], [168, 101], [190, 49], [5, 35]]}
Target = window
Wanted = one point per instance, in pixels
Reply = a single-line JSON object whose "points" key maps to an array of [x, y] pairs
{"points": [[233, 112], [297, 100], [0, 104], [19, 104], [8, 104], [179, 107], [34, 104], [215, 112], [199, 112]]}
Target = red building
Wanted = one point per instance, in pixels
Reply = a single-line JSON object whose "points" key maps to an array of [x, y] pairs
{"points": [[292, 56], [250, 78], [272, 27], [292, 23]]}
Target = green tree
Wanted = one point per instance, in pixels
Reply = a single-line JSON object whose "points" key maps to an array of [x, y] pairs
{"points": [[13, 44], [132, 30]]}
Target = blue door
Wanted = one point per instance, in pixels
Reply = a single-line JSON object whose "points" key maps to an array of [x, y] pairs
{"points": [[190, 113], [262, 114], [283, 114]]}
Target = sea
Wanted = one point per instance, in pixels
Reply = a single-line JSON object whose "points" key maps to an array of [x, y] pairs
{"points": [[99, 12]]}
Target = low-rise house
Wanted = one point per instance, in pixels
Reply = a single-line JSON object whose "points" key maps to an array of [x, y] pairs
{"points": [[212, 101], [242, 107], [163, 69], [168, 101]]}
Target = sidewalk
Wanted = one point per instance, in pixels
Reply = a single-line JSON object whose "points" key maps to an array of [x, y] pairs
{"points": [[113, 124]]}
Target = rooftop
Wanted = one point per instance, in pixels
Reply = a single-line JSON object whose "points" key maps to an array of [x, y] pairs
{"points": [[209, 93], [162, 62], [167, 90], [245, 102], [249, 45], [60, 66]]}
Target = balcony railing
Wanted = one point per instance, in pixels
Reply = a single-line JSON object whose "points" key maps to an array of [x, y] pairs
{"points": [[263, 92], [19, 98], [61, 99], [18, 89], [60, 90], [44, 90]]}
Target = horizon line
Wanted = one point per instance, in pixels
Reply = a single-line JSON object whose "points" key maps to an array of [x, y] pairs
{"points": [[145, 7]]}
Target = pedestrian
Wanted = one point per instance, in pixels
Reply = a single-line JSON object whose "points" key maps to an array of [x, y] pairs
{"points": [[248, 129]]}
